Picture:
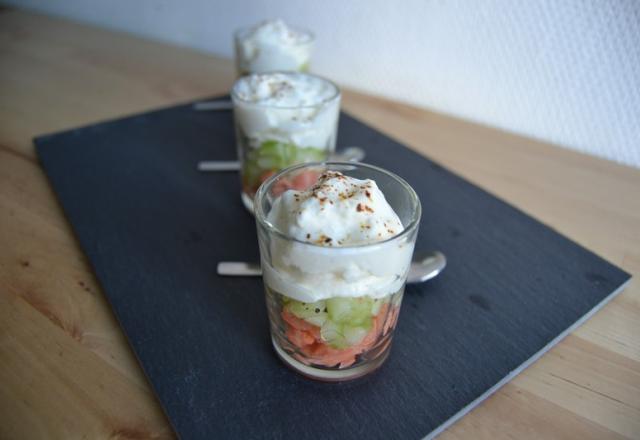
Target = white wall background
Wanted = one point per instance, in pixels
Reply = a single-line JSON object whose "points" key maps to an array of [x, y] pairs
{"points": [[567, 71]]}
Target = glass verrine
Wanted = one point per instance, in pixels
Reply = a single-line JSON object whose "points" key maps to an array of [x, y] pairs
{"points": [[272, 46], [333, 309], [282, 119]]}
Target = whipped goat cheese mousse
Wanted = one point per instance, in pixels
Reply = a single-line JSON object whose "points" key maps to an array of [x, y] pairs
{"points": [[282, 119], [270, 46], [335, 257], [336, 214]]}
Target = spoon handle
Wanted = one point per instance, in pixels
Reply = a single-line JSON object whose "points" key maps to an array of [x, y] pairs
{"points": [[219, 165], [206, 106], [239, 269]]}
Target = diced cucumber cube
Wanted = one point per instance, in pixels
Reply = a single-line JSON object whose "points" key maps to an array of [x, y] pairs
{"points": [[306, 310], [339, 309], [362, 310], [310, 154], [377, 305], [281, 154], [351, 311], [273, 155], [318, 319], [332, 333], [267, 163], [354, 335], [270, 148]]}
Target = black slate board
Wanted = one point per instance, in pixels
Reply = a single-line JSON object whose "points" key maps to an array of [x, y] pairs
{"points": [[154, 228]]}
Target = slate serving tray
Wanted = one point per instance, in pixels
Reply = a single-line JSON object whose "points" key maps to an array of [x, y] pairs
{"points": [[154, 228]]}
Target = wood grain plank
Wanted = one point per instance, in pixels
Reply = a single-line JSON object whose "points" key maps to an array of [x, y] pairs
{"points": [[590, 381], [47, 270], [515, 413], [65, 75], [616, 327], [52, 387], [572, 192]]}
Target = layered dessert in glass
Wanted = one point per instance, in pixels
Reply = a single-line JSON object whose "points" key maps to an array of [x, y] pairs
{"points": [[282, 119], [272, 46], [335, 257]]}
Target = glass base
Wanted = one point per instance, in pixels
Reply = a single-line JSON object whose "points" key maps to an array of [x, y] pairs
{"points": [[247, 201], [330, 375]]}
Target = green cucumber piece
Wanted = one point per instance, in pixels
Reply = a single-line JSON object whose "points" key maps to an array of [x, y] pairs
{"points": [[339, 309], [351, 311], [306, 310], [342, 336], [310, 154], [377, 305], [354, 335], [274, 155], [318, 320], [277, 154], [332, 333]]}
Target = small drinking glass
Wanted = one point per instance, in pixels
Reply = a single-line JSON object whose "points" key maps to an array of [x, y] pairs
{"points": [[271, 56], [271, 137], [335, 337]]}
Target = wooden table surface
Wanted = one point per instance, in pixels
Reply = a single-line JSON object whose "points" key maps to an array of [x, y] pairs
{"points": [[65, 367]]}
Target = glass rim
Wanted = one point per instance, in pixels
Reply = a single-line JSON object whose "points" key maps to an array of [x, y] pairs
{"points": [[311, 37], [335, 96], [262, 192]]}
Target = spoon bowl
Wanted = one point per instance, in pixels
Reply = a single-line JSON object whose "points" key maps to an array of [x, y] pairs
{"points": [[426, 265]]}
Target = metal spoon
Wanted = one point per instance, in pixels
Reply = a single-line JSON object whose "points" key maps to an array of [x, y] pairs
{"points": [[348, 154], [205, 106], [424, 266]]}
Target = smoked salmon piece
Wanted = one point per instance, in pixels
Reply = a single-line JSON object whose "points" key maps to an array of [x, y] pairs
{"points": [[301, 324], [304, 180], [306, 337]]}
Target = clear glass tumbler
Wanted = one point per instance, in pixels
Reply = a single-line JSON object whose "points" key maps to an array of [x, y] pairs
{"points": [[337, 337], [270, 137], [270, 55]]}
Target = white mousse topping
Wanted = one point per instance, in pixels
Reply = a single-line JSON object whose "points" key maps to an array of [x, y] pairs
{"points": [[284, 89], [338, 211], [275, 32], [291, 107], [272, 45], [346, 224]]}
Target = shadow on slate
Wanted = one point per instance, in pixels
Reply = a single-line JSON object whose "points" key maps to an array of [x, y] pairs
{"points": [[154, 228]]}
